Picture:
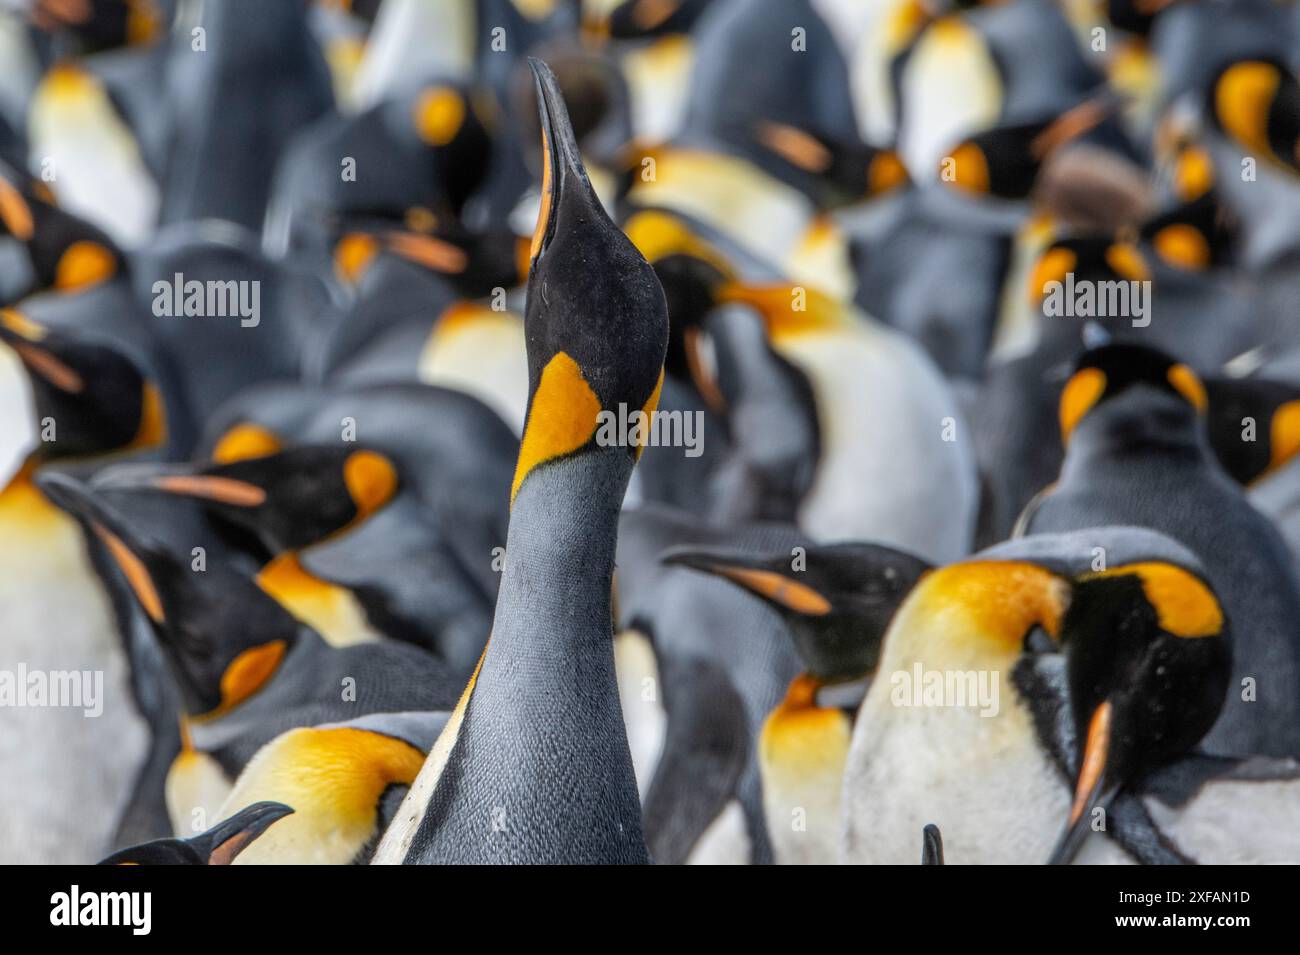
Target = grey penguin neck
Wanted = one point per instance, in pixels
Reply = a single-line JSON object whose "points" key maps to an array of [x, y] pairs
{"points": [[559, 559]]}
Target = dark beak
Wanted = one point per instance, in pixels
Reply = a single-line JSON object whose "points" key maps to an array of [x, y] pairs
{"points": [[562, 169], [227, 839], [184, 480], [138, 560]]}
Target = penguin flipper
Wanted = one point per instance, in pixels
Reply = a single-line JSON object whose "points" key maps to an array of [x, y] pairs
{"points": [[706, 748]]}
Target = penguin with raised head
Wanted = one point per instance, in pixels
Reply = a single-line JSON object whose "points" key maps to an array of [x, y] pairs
{"points": [[534, 764], [219, 845], [1137, 453], [244, 668], [837, 601]]}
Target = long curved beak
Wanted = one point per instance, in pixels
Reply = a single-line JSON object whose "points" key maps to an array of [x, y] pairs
{"points": [[184, 480], [1095, 788], [227, 839], [562, 169]]}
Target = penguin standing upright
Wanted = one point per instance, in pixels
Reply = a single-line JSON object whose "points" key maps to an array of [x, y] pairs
{"points": [[534, 764], [837, 603], [1137, 453]]}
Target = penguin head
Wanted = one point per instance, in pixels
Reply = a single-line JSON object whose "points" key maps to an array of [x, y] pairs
{"points": [[1088, 258], [1131, 376], [645, 19], [691, 271], [218, 846], [771, 413], [595, 318], [223, 637], [472, 263], [97, 399], [1256, 104], [836, 171], [1194, 236], [290, 499], [102, 24], [836, 599], [1147, 667], [1004, 162], [67, 253], [1253, 425]]}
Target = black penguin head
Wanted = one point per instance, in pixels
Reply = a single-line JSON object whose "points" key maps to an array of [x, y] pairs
{"points": [[223, 637], [1092, 259], [1253, 424], [643, 19], [218, 846], [68, 254], [95, 399], [1103, 374], [1195, 235], [472, 263], [290, 499], [692, 271], [1147, 666], [595, 319], [771, 412], [1256, 104], [836, 599], [101, 25], [841, 171]]}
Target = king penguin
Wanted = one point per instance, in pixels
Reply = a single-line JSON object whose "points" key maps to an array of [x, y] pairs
{"points": [[1137, 453], [837, 602], [245, 669], [345, 781], [975, 760], [534, 764], [1143, 689]]}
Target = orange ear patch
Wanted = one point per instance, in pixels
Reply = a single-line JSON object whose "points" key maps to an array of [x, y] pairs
{"points": [[245, 441], [248, 672], [438, 115], [1188, 385], [1183, 246], [15, 213], [370, 479], [84, 263], [1284, 433], [1081, 392]]}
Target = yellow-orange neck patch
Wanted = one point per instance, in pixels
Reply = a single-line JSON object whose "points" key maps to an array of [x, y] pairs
{"points": [[561, 419], [245, 441]]}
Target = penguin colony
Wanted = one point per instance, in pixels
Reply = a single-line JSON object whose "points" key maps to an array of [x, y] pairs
{"points": [[951, 508]]}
